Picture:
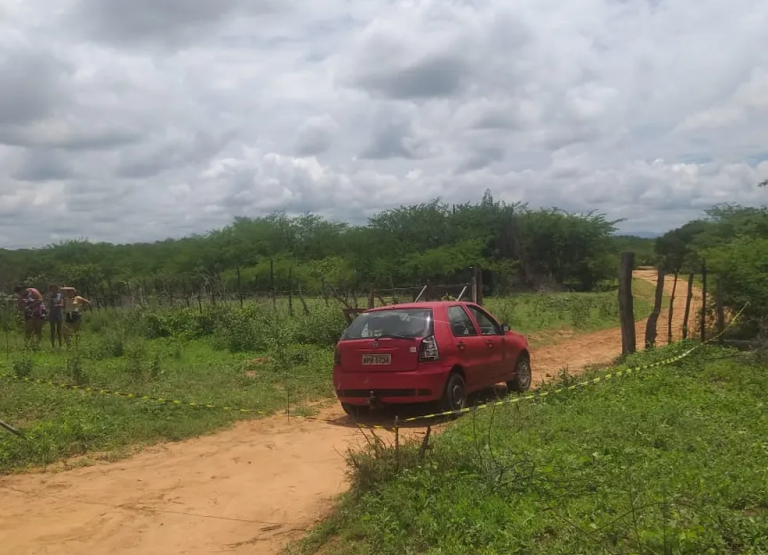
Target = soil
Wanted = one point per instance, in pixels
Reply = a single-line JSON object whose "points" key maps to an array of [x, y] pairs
{"points": [[248, 490]]}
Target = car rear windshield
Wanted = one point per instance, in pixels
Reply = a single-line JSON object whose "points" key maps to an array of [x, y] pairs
{"points": [[397, 322]]}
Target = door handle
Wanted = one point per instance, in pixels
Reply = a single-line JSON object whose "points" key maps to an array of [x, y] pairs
{"points": [[460, 345], [489, 343]]}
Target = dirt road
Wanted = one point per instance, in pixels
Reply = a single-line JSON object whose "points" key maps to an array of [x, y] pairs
{"points": [[251, 489]]}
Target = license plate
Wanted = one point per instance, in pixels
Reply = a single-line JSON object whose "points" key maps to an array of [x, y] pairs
{"points": [[377, 360]]}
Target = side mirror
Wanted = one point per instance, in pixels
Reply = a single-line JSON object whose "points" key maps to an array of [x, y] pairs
{"points": [[505, 328]]}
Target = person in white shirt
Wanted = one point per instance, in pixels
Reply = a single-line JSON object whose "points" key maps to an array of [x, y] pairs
{"points": [[73, 304]]}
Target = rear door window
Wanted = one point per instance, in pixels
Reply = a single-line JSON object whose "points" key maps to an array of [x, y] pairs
{"points": [[401, 322]]}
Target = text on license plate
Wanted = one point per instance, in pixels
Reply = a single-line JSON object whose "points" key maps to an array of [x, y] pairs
{"points": [[376, 360]]}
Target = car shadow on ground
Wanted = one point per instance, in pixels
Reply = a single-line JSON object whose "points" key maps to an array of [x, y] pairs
{"points": [[386, 416]]}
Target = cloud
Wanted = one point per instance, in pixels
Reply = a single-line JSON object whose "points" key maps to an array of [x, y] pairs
{"points": [[316, 135], [138, 121], [170, 23], [395, 136], [44, 165], [31, 87]]}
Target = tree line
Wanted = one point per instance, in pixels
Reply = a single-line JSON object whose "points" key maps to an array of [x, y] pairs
{"points": [[516, 246], [731, 242]]}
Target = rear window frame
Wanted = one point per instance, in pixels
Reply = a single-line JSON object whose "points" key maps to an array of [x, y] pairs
{"points": [[366, 315]]}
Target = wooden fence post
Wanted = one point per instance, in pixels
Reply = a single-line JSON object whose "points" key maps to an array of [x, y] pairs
{"points": [[290, 290], [720, 310], [671, 310], [626, 304], [477, 278], [688, 299], [272, 282], [324, 291], [392, 286], [111, 292], [703, 300], [239, 287], [653, 319]]}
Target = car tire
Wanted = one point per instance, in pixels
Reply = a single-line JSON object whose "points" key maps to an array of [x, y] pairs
{"points": [[355, 411], [455, 394], [523, 375]]}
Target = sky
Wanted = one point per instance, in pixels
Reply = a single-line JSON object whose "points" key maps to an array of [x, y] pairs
{"points": [[138, 120]]}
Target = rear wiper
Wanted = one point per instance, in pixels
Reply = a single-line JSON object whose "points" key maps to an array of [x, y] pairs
{"points": [[394, 336]]}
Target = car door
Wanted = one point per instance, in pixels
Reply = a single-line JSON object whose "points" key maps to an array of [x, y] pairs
{"points": [[492, 336], [471, 347]]}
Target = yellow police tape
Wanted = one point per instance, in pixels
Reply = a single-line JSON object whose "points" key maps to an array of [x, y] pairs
{"points": [[542, 394], [604, 377]]}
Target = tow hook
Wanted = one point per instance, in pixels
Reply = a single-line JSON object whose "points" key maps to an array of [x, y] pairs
{"points": [[372, 400]]}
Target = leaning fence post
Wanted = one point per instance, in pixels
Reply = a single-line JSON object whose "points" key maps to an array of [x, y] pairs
{"points": [[671, 310], [688, 300], [720, 310], [703, 300], [650, 327]]}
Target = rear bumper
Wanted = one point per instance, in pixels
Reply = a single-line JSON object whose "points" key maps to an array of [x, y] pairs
{"points": [[420, 386]]}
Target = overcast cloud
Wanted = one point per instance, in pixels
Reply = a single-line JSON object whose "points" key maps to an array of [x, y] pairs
{"points": [[140, 120]]}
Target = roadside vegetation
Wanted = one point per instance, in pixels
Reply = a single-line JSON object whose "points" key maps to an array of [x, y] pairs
{"points": [[668, 461]]}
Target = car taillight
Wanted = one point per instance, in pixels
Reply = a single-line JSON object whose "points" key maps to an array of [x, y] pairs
{"points": [[429, 351], [337, 356]]}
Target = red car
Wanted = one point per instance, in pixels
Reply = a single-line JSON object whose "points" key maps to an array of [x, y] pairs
{"points": [[424, 352]]}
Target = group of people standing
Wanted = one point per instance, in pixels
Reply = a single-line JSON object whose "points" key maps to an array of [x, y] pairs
{"points": [[61, 307]]}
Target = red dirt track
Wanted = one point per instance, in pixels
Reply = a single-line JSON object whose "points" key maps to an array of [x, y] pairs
{"points": [[251, 489]]}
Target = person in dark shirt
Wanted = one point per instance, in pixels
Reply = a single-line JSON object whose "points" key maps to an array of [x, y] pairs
{"points": [[55, 313]]}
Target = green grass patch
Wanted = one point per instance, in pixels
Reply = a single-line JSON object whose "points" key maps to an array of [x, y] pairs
{"points": [[531, 313], [61, 423], [671, 460]]}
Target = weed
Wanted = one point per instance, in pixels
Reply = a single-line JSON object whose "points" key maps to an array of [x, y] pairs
{"points": [[23, 365], [75, 369]]}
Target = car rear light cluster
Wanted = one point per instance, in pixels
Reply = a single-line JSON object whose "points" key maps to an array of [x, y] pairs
{"points": [[429, 351], [337, 356]]}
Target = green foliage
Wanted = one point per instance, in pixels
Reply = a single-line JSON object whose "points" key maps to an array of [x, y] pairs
{"points": [[670, 461], [405, 245], [23, 365], [644, 249], [742, 270], [734, 242]]}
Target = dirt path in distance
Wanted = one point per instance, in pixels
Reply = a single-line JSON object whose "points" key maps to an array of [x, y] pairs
{"points": [[248, 490]]}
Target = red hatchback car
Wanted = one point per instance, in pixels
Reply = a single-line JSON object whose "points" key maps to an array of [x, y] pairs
{"points": [[425, 352]]}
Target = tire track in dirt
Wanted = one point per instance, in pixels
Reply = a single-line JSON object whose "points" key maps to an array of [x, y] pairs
{"points": [[251, 489]]}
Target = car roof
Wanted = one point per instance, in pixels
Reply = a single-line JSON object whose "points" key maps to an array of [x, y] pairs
{"points": [[419, 304]]}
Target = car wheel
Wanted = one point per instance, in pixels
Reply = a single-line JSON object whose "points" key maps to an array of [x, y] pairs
{"points": [[455, 394], [523, 376], [355, 411]]}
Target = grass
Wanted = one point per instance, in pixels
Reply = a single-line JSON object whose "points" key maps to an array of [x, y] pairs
{"points": [[670, 461], [253, 358], [532, 313], [60, 423]]}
